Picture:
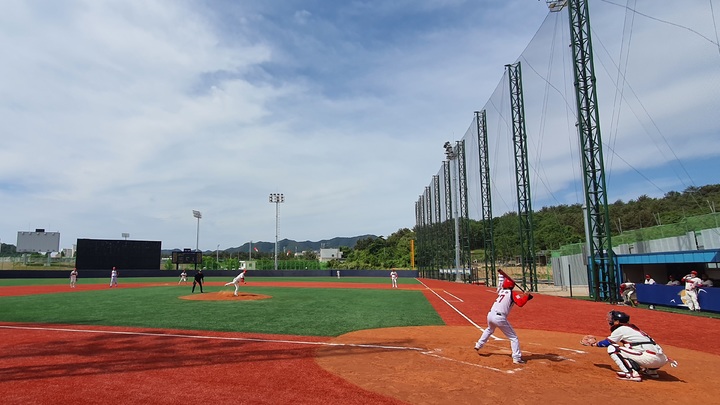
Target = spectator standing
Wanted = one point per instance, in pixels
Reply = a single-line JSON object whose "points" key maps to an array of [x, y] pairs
{"points": [[672, 281]]}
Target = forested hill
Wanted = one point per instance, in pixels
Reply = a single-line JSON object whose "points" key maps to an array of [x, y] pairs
{"points": [[561, 225]]}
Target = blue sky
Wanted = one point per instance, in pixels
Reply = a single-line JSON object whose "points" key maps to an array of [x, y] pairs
{"points": [[124, 116]]}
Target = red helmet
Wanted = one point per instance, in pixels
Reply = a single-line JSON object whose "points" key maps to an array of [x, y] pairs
{"points": [[508, 283], [694, 273]]}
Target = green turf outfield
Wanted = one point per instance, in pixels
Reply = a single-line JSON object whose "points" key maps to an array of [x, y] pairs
{"points": [[296, 311], [56, 281]]}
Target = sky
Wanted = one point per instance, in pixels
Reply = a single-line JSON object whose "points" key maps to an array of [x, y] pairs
{"points": [[124, 116]]}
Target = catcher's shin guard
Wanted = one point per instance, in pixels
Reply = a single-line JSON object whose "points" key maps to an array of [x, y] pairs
{"points": [[622, 363]]}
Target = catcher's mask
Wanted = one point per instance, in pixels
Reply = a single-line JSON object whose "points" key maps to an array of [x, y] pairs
{"points": [[621, 317]]}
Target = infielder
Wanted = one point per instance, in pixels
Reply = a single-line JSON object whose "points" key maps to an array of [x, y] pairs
{"points": [[73, 277], [113, 278], [631, 349], [240, 278], [692, 283], [394, 277], [497, 317], [183, 277]]}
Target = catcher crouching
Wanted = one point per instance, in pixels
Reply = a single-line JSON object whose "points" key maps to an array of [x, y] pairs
{"points": [[634, 352]]}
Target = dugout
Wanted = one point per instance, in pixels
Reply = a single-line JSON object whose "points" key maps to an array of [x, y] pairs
{"points": [[634, 267]]}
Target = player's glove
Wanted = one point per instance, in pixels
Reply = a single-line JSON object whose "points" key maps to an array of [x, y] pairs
{"points": [[588, 340]]}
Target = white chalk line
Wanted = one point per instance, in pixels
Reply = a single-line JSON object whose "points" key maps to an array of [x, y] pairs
{"points": [[457, 310], [511, 371], [297, 342], [457, 298]]}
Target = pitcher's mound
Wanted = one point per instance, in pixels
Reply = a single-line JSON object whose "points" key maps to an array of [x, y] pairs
{"points": [[224, 296]]}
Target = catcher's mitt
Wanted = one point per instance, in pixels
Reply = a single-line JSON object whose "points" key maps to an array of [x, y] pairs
{"points": [[588, 340]]}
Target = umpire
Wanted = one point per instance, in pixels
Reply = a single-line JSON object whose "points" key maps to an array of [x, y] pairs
{"points": [[199, 276]]}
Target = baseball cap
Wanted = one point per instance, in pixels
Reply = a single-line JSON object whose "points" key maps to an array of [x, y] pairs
{"points": [[647, 276], [693, 272]]}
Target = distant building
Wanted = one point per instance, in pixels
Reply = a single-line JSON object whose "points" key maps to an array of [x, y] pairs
{"points": [[329, 254]]}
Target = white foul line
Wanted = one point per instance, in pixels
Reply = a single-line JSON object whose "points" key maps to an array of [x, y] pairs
{"points": [[297, 342], [457, 298]]}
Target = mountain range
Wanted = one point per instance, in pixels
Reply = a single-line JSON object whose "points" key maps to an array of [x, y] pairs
{"points": [[292, 245]]}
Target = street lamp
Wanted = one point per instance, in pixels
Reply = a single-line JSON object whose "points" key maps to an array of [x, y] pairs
{"points": [[197, 215], [276, 199], [217, 256], [452, 155]]}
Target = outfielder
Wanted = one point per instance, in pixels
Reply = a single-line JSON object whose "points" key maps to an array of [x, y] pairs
{"points": [[240, 278], [692, 283], [73, 277], [630, 348], [113, 278], [393, 278], [497, 317]]}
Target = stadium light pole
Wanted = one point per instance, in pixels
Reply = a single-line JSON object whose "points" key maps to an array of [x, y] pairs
{"points": [[217, 256], [276, 199], [452, 156], [197, 215]]}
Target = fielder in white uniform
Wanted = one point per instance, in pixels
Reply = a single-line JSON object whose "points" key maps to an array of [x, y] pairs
{"points": [[113, 278], [692, 283], [73, 278], [632, 350], [240, 278], [497, 318], [183, 277], [393, 277]]}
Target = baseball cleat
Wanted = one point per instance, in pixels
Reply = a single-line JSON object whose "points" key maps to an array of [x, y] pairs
{"points": [[634, 376], [651, 374], [519, 361]]}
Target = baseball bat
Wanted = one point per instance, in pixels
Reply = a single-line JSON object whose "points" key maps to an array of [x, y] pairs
{"points": [[507, 276]]}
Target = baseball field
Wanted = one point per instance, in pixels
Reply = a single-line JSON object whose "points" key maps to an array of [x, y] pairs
{"points": [[324, 340]]}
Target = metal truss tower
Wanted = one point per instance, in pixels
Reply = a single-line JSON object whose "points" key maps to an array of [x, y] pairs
{"points": [[486, 200], [602, 273], [464, 212], [522, 177]]}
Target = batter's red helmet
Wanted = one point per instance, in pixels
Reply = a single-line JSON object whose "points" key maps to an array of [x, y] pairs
{"points": [[508, 283]]}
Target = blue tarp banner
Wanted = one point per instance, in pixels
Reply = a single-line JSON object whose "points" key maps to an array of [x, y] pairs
{"points": [[673, 296]]}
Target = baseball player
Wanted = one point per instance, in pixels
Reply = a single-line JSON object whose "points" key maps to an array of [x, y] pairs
{"points": [[199, 277], [113, 278], [649, 280], [73, 277], [183, 277], [692, 283], [627, 291], [338, 274], [706, 282], [497, 317], [393, 278], [631, 349], [672, 281], [240, 278]]}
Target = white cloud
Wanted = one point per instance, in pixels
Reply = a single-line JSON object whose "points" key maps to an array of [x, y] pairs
{"points": [[125, 116]]}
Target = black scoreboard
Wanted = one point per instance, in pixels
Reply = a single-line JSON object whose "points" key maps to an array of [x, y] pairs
{"points": [[187, 257], [96, 254]]}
